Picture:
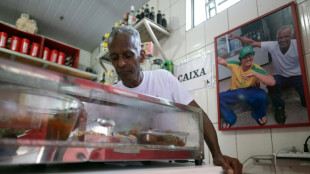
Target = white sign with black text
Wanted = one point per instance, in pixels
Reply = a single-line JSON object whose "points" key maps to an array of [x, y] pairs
{"points": [[197, 73]]}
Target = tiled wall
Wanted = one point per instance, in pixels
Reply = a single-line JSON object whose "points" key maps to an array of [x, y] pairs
{"points": [[182, 45]]}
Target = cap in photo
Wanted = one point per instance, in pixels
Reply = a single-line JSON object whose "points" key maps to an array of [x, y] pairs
{"points": [[246, 50]]}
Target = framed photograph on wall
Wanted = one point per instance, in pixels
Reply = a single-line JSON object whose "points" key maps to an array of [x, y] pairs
{"points": [[261, 77]]}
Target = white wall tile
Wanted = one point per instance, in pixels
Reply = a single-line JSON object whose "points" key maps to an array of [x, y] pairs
{"points": [[227, 142], [178, 43], [241, 13], [165, 44], [285, 137], [163, 5], [253, 142], [85, 58], [178, 14], [265, 6], [195, 38], [212, 104], [216, 26]]}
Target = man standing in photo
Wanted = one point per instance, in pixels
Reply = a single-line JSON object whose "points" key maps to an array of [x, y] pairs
{"points": [[285, 58]]}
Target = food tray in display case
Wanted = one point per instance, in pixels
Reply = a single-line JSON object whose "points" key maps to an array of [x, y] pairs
{"points": [[67, 119]]}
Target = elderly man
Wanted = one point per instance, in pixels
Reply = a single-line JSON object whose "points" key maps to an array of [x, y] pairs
{"points": [[285, 58], [126, 55]]}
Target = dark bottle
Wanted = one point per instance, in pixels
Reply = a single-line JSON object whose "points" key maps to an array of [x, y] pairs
{"points": [[152, 14], [164, 21], [159, 17], [147, 11], [138, 16], [142, 13]]}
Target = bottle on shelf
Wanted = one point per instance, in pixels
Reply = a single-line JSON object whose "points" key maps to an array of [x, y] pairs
{"points": [[152, 14], [138, 17], [159, 17], [164, 21], [101, 48], [142, 13], [131, 16], [147, 11]]}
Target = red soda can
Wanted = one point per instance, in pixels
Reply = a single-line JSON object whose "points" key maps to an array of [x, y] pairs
{"points": [[34, 51], [24, 46], [53, 56], [61, 58], [3, 39], [15, 43], [46, 53]]}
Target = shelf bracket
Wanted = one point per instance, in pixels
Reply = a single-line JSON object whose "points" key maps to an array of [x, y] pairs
{"points": [[12, 57], [149, 29]]}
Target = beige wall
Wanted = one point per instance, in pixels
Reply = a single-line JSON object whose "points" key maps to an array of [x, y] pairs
{"points": [[182, 45]]}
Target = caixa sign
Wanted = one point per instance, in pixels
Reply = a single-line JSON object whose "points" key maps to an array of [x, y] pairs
{"points": [[197, 73]]}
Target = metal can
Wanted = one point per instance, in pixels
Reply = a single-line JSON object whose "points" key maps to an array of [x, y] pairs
{"points": [[53, 56], [61, 58], [15, 43], [46, 53], [24, 46], [3, 39], [34, 51]]}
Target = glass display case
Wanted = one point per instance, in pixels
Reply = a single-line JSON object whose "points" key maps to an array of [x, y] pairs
{"points": [[49, 117]]}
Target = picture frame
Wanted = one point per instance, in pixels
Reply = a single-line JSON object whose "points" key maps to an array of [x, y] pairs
{"points": [[239, 111]]}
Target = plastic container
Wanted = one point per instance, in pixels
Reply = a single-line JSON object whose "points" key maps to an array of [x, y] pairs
{"points": [[32, 113], [159, 137], [3, 39]]}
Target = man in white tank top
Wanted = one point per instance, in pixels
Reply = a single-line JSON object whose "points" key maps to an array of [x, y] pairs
{"points": [[126, 55], [285, 58]]}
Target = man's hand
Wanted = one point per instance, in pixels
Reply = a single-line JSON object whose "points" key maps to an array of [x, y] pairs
{"points": [[230, 165]]}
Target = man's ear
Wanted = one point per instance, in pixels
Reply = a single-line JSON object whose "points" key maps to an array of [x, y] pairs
{"points": [[142, 55]]}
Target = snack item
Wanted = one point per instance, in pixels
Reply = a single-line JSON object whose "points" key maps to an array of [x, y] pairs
{"points": [[156, 137]]}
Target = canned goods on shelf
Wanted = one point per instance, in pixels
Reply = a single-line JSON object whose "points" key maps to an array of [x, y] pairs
{"points": [[53, 56], [61, 58], [46, 53], [3, 39], [24, 46], [34, 51], [15, 43]]}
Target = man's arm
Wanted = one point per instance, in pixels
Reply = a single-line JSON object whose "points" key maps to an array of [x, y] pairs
{"points": [[246, 40], [265, 79], [222, 61], [230, 165]]}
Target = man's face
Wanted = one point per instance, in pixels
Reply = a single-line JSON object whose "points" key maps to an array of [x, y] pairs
{"points": [[247, 60], [125, 58], [284, 38]]}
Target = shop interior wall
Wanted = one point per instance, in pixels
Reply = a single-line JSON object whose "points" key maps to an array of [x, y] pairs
{"points": [[182, 46]]}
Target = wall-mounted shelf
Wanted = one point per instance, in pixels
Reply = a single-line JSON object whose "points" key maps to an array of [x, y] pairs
{"points": [[35, 61], [149, 31]]}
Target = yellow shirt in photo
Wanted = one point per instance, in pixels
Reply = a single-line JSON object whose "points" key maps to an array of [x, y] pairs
{"points": [[237, 75]]}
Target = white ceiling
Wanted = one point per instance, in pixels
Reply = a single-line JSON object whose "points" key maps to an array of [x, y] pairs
{"points": [[84, 21]]}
